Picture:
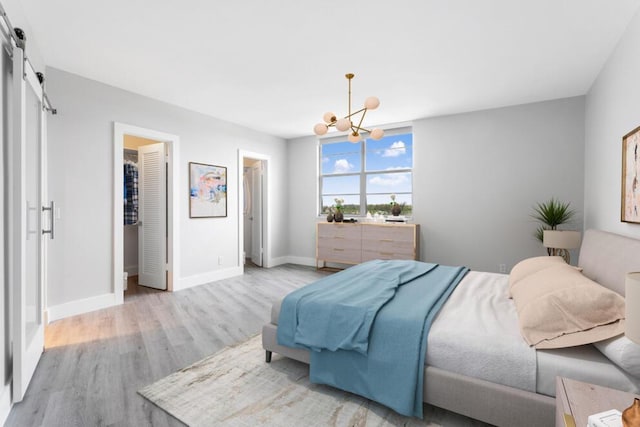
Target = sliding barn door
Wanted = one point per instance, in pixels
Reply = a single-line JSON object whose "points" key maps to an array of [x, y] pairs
{"points": [[25, 219], [152, 216]]}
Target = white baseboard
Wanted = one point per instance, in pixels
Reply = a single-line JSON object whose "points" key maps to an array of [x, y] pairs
{"points": [[5, 403], [310, 262], [274, 262], [201, 279], [81, 306], [132, 270], [87, 305]]}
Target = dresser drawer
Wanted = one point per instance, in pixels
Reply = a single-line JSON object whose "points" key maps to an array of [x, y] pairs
{"points": [[341, 231], [340, 243], [340, 255], [378, 234], [389, 250]]}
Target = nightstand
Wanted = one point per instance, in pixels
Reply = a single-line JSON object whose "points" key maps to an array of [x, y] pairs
{"points": [[576, 400]]}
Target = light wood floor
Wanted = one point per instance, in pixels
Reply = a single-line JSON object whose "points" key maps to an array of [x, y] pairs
{"points": [[94, 363]]}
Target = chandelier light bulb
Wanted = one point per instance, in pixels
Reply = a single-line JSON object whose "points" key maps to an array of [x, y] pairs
{"points": [[320, 129], [329, 117], [377, 134], [343, 124], [371, 103], [354, 137]]}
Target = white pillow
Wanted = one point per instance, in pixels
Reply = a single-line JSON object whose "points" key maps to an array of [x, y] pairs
{"points": [[623, 352]]}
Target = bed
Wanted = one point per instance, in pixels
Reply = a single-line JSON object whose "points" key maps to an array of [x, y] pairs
{"points": [[495, 376]]}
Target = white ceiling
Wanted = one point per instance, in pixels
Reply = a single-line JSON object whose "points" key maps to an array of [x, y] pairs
{"points": [[277, 66]]}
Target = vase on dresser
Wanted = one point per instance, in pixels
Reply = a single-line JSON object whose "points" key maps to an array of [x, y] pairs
{"points": [[396, 210], [338, 216]]}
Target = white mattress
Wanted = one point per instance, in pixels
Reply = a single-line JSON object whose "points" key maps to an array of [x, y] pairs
{"points": [[479, 312]]}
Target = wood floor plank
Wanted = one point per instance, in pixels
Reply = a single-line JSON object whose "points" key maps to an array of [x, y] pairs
{"points": [[94, 363]]}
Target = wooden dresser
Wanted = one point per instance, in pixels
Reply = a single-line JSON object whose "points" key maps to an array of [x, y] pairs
{"points": [[355, 243]]}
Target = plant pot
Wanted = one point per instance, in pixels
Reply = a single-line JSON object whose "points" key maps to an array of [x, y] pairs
{"points": [[396, 210], [338, 217]]}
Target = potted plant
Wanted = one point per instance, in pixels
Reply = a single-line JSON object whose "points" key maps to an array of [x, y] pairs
{"points": [[396, 208], [338, 216], [551, 214]]}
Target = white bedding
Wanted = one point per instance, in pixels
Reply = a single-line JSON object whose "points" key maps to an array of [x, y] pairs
{"points": [[584, 363], [476, 334]]}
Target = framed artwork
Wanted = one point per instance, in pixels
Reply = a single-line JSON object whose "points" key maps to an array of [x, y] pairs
{"points": [[630, 211], [207, 191]]}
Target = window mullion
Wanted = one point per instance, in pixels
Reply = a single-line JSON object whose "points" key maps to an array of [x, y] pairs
{"points": [[363, 178]]}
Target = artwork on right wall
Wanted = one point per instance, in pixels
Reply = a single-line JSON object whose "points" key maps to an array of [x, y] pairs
{"points": [[630, 211]]}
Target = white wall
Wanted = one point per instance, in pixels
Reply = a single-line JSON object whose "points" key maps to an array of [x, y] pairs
{"points": [[303, 199], [478, 175], [81, 183], [611, 112], [476, 178]]}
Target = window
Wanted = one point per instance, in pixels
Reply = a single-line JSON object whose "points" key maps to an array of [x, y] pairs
{"points": [[367, 173]]}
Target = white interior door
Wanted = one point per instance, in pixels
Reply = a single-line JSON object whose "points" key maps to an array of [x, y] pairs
{"points": [[152, 216], [26, 272], [256, 214]]}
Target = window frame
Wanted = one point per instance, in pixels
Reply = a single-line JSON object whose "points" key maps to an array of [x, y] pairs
{"points": [[362, 173]]}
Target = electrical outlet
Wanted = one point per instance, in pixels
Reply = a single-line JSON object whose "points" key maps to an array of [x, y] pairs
{"points": [[502, 268]]}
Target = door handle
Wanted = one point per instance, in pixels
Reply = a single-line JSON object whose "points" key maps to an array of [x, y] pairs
{"points": [[51, 209]]}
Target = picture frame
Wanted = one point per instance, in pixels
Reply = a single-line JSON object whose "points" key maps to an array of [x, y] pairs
{"points": [[207, 191], [630, 210]]}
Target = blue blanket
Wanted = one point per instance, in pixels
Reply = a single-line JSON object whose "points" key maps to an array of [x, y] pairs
{"points": [[367, 327]]}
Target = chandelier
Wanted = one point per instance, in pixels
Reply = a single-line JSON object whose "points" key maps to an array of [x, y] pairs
{"points": [[346, 123]]}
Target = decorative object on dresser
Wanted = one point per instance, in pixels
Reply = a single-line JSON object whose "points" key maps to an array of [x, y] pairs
{"points": [[330, 216], [632, 308], [396, 208], [560, 241], [355, 243], [345, 123], [577, 400], [338, 215], [630, 209]]}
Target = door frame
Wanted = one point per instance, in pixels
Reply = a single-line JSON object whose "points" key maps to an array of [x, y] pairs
{"points": [[266, 219], [173, 206]]}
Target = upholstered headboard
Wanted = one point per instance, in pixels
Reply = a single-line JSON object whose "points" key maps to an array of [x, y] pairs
{"points": [[607, 258]]}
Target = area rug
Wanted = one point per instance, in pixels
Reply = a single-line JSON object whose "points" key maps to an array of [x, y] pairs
{"points": [[236, 387]]}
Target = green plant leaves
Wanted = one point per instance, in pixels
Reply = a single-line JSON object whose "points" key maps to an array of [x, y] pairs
{"points": [[551, 214]]}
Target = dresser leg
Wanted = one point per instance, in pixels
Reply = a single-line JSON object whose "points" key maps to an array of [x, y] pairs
{"points": [[267, 356]]}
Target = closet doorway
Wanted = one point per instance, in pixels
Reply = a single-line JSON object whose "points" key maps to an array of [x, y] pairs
{"points": [[253, 225], [145, 209], [145, 212], [253, 209]]}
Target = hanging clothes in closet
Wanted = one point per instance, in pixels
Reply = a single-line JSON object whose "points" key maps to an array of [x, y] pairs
{"points": [[130, 192]]}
